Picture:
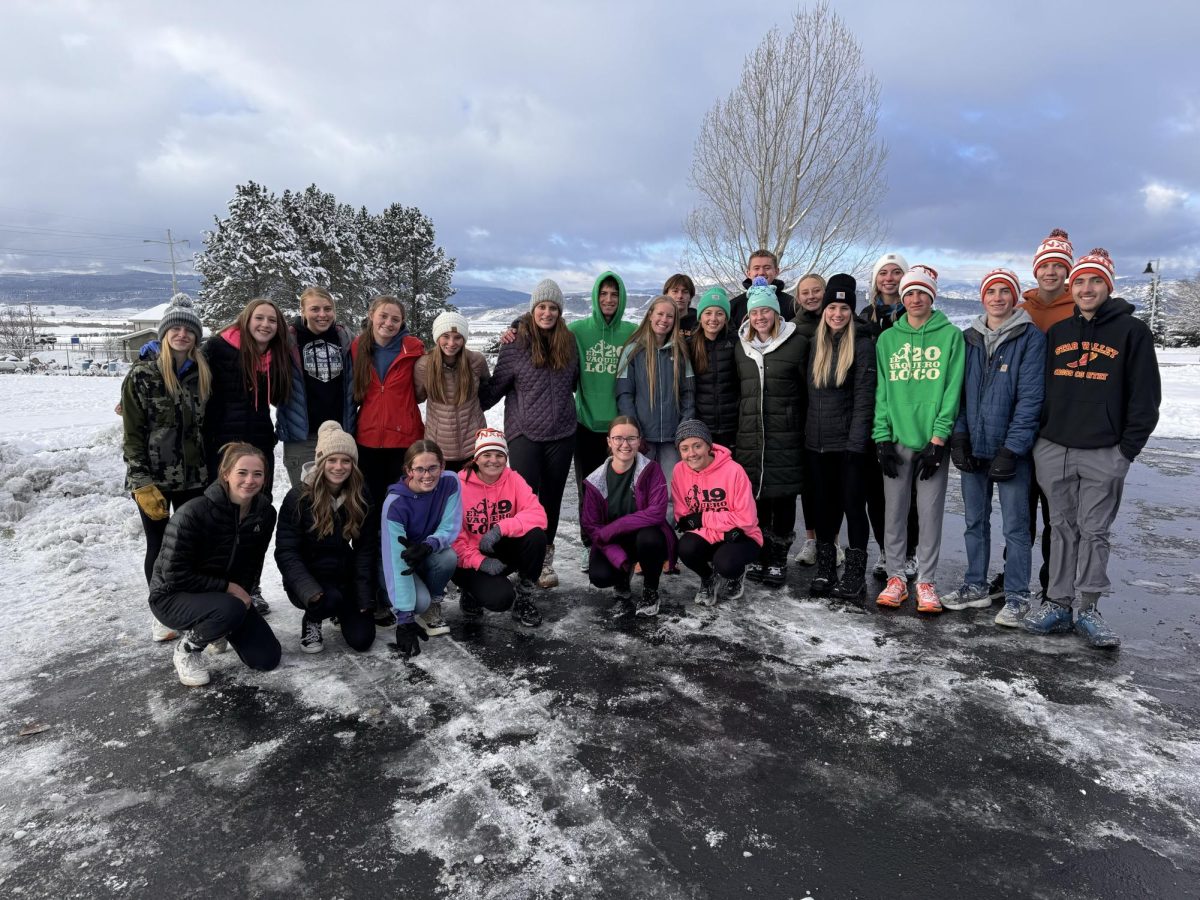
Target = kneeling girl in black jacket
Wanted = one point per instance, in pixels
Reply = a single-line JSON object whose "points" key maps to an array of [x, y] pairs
{"points": [[211, 554], [326, 544]]}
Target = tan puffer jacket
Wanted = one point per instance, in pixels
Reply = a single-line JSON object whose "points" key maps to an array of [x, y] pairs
{"points": [[452, 427]]}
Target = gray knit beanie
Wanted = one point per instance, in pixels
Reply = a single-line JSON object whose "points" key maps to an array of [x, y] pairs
{"points": [[180, 312], [547, 291], [692, 428]]}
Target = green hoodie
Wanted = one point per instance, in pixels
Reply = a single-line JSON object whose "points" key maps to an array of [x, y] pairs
{"points": [[600, 345], [920, 381]]}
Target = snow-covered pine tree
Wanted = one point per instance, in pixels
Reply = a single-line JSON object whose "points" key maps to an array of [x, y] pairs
{"points": [[332, 242], [1183, 314], [253, 252], [411, 266]]}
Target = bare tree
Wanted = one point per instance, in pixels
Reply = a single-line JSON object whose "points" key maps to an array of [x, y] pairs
{"points": [[18, 330], [789, 161]]}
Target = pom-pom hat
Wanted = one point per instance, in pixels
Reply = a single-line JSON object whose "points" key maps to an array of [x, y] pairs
{"points": [[1098, 262], [920, 278], [332, 440], [761, 295], [1001, 276], [181, 311], [1055, 248]]}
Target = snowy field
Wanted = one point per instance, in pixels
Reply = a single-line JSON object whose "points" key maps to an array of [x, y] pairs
{"points": [[774, 748]]}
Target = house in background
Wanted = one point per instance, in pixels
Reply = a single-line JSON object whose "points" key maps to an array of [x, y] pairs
{"points": [[143, 327]]}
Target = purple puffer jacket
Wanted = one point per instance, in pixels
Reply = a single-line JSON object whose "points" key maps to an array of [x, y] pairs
{"points": [[650, 495], [539, 404]]}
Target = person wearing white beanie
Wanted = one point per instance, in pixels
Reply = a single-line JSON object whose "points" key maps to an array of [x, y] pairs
{"points": [[447, 380]]}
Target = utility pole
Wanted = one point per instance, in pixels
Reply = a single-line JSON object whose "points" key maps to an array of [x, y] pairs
{"points": [[170, 243]]}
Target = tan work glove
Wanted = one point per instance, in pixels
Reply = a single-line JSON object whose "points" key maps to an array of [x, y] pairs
{"points": [[151, 501]]}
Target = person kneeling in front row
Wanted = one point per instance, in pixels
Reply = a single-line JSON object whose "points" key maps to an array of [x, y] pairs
{"points": [[212, 551]]}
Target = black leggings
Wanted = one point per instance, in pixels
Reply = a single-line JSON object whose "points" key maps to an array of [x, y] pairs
{"points": [[524, 555], [873, 476], [545, 466], [838, 487], [777, 515], [591, 449], [211, 616], [156, 528], [647, 546], [358, 627], [729, 558], [381, 467]]}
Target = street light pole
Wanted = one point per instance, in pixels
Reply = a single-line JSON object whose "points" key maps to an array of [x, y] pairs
{"points": [[1153, 269]]}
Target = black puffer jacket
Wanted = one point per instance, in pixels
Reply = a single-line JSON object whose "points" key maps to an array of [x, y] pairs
{"points": [[806, 322], [206, 547], [717, 389], [234, 413], [770, 436], [306, 562], [840, 418]]}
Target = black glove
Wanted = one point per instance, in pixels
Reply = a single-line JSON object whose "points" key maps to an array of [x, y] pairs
{"points": [[1004, 465], [930, 460], [690, 522], [407, 635], [889, 459], [734, 534], [414, 553], [960, 453], [491, 566], [488, 542]]}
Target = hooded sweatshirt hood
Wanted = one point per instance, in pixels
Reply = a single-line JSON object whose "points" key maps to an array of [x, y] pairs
{"points": [[994, 338], [1044, 315], [600, 342], [920, 381]]}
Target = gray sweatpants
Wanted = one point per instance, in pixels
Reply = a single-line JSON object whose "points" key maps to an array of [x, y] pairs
{"points": [[1084, 488], [931, 503], [296, 454]]}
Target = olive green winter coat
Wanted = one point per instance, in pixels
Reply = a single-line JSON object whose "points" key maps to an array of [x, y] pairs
{"points": [[163, 444], [771, 412]]}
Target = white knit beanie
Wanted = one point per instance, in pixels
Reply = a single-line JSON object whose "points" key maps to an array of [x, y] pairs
{"points": [[922, 278], [887, 259], [451, 321], [331, 439]]}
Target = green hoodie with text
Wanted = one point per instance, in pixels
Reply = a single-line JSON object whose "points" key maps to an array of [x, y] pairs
{"points": [[920, 381], [600, 345]]}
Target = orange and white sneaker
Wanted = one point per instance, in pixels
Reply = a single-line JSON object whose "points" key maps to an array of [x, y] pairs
{"points": [[894, 593], [927, 598]]}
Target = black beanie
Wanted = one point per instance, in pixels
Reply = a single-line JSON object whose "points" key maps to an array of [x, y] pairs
{"points": [[841, 288]]}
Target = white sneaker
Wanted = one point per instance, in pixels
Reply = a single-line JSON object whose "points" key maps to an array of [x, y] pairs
{"points": [[808, 553], [841, 556], [705, 596], [160, 632], [189, 666], [217, 647], [910, 567]]}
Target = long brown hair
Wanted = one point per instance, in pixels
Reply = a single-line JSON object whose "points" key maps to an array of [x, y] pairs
{"points": [[318, 494], [556, 350], [436, 371], [697, 344], [824, 372], [364, 359], [279, 373], [643, 340], [166, 368]]}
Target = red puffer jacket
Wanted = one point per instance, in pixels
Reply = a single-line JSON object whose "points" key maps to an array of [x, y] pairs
{"points": [[388, 416]]}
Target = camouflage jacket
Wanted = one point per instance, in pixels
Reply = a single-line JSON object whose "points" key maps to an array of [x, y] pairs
{"points": [[163, 443]]}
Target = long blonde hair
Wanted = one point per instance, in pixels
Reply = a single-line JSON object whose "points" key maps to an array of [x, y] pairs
{"points": [[435, 376], [824, 370], [166, 368], [322, 500], [643, 340]]}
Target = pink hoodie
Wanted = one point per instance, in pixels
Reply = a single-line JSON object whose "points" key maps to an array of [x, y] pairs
{"points": [[508, 503], [721, 492]]}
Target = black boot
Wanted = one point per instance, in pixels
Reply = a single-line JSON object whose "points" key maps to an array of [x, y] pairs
{"points": [[523, 609], [775, 570], [852, 585], [823, 581]]}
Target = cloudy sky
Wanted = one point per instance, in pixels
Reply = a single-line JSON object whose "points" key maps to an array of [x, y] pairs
{"points": [[556, 138]]}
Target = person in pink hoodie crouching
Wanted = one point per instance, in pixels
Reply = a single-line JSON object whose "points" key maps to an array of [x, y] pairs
{"points": [[504, 530], [715, 514]]}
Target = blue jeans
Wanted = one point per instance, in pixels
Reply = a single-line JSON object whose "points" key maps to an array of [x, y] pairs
{"points": [[432, 576], [1014, 513]]}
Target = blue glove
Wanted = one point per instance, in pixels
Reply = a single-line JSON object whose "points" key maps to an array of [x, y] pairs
{"points": [[149, 350]]}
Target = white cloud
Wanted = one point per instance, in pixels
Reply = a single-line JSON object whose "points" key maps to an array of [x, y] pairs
{"points": [[1162, 198]]}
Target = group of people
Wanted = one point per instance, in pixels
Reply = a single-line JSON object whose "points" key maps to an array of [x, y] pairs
{"points": [[693, 435]]}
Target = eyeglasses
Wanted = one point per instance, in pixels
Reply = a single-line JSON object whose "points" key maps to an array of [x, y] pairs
{"points": [[421, 470], [619, 439]]}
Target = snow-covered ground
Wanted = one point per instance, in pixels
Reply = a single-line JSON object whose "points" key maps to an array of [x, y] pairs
{"points": [[705, 755]]}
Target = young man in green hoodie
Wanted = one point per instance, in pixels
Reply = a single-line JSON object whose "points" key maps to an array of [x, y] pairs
{"points": [[600, 338], [920, 361]]}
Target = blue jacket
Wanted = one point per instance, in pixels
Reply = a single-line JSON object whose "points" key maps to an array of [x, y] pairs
{"points": [[1002, 396], [435, 518], [291, 420], [658, 421]]}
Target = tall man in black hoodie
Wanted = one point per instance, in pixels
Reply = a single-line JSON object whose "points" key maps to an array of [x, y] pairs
{"points": [[1102, 398], [766, 264]]}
